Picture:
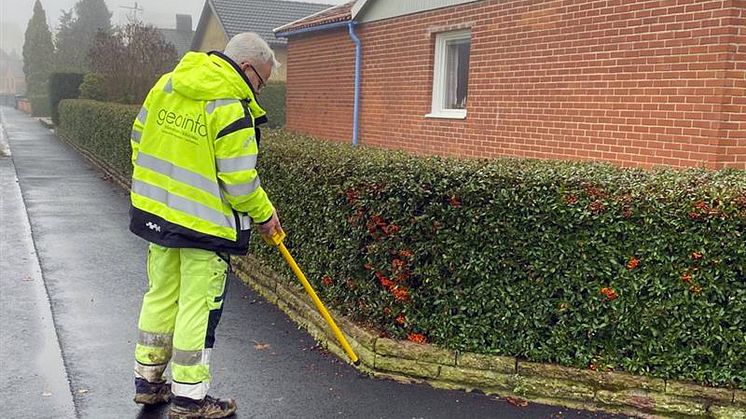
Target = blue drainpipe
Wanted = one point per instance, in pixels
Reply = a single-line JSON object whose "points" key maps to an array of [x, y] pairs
{"points": [[358, 59]]}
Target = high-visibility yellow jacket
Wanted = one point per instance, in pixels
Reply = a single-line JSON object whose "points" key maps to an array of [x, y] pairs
{"points": [[194, 152]]}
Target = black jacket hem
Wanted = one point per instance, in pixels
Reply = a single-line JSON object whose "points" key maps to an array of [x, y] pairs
{"points": [[164, 233]]}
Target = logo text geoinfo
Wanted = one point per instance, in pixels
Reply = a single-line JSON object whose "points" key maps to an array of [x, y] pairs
{"points": [[184, 121]]}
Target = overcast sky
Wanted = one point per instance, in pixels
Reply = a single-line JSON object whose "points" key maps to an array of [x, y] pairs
{"points": [[15, 14]]}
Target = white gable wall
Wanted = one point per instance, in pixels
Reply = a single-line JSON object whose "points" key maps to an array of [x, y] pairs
{"points": [[372, 10]]}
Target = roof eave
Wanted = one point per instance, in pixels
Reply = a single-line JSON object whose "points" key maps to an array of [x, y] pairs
{"points": [[203, 22], [318, 28], [220, 21], [200, 27], [287, 25], [358, 7], [277, 43]]}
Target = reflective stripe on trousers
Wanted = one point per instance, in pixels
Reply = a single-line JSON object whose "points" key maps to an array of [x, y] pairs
{"points": [[196, 391]]}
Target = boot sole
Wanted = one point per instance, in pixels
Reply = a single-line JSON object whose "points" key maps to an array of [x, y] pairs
{"points": [[151, 399], [192, 415]]}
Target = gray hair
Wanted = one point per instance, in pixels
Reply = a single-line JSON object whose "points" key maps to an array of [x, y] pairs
{"points": [[249, 46]]}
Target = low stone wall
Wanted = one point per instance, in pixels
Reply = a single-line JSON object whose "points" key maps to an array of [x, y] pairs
{"points": [[504, 376], [23, 105]]}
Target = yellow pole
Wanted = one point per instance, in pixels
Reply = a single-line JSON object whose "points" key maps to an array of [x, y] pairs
{"points": [[277, 240]]}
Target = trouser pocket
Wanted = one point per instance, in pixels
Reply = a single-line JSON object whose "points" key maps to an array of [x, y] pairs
{"points": [[215, 299]]}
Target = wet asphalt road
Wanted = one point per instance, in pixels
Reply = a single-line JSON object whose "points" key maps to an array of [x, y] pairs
{"points": [[92, 275], [38, 383]]}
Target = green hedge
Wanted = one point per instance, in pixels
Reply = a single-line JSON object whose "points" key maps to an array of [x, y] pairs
{"points": [[62, 86], [585, 265], [272, 99], [101, 128], [39, 105], [93, 87]]}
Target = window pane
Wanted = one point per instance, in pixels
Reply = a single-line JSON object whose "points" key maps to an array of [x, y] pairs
{"points": [[457, 73]]}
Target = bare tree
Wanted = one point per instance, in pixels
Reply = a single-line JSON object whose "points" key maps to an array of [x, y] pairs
{"points": [[131, 60]]}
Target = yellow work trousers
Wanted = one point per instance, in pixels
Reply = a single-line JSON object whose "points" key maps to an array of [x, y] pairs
{"points": [[179, 314]]}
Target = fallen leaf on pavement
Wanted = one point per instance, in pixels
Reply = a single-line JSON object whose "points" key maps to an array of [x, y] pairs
{"points": [[260, 346], [516, 401]]}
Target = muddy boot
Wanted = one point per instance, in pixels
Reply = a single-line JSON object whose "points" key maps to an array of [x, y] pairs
{"points": [[208, 408], [151, 393]]}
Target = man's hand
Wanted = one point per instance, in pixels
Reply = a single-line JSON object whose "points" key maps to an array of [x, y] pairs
{"points": [[271, 227]]}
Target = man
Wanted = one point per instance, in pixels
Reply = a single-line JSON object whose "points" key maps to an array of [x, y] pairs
{"points": [[195, 194]]}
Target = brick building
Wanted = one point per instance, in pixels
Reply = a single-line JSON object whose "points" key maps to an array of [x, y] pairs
{"points": [[638, 83], [12, 79]]}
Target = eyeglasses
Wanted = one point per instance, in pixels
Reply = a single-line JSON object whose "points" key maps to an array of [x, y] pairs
{"points": [[261, 80]]}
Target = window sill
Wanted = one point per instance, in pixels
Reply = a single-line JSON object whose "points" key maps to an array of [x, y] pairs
{"points": [[447, 115]]}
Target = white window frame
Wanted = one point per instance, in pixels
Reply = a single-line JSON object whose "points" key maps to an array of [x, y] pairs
{"points": [[439, 75]]}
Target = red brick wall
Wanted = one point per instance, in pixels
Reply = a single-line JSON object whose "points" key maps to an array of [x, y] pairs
{"points": [[639, 83], [732, 146], [320, 84]]}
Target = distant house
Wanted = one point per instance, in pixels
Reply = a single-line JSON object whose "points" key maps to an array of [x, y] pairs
{"points": [[181, 37], [635, 83], [222, 19], [12, 79]]}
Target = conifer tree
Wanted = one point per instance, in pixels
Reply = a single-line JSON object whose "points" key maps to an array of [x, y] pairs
{"points": [[77, 31], [38, 52]]}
